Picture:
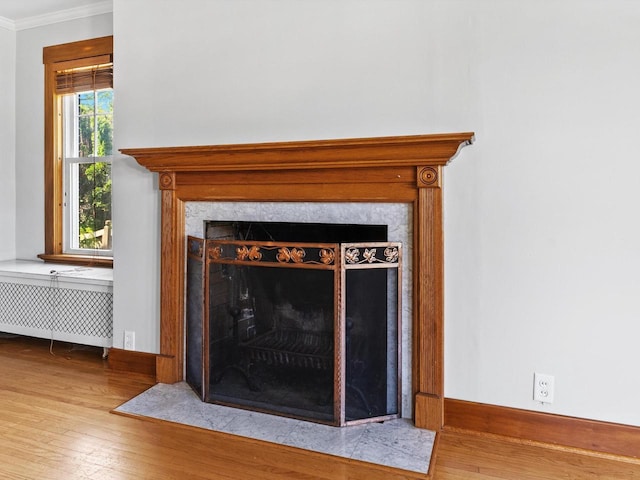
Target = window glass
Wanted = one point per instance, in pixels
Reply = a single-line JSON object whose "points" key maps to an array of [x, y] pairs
{"points": [[88, 145]]}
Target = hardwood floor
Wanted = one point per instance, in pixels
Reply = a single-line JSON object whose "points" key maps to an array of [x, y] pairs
{"points": [[55, 424], [471, 456]]}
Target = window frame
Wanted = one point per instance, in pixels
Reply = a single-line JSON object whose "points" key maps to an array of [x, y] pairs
{"points": [[56, 58]]}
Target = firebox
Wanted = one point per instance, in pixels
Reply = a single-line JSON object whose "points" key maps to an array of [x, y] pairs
{"points": [[296, 319]]}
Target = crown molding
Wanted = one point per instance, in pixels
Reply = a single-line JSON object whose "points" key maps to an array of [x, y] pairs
{"points": [[84, 11], [7, 24]]}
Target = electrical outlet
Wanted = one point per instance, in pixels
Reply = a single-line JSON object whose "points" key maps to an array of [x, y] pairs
{"points": [[129, 340], [543, 387]]}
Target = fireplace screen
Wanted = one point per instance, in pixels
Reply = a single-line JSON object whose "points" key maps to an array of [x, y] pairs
{"points": [[304, 330]]}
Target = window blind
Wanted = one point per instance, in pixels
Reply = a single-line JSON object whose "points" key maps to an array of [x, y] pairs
{"points": [[81, 79]]}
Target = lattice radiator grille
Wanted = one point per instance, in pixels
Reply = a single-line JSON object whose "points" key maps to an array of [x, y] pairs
{"points": [[55, 310]]}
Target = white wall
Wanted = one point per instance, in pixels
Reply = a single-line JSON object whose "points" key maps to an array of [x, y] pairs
{"points": [[541, 226], [30, 122], [7, 143], [543, 233], [238, 71]]}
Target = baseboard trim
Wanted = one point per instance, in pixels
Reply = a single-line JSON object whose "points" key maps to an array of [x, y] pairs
{"points": [[132, 362], [597, 436]]}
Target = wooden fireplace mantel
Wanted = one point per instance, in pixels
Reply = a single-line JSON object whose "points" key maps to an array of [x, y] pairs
{"points": [[404, 169]]}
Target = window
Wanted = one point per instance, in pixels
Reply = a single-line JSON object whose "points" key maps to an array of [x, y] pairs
{"points": [[78, 149]]}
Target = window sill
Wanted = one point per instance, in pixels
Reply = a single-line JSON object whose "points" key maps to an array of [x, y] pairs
{"points": [[84, 260]]}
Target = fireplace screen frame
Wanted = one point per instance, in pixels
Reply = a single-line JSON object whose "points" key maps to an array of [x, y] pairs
{"points": [[336, 258]]}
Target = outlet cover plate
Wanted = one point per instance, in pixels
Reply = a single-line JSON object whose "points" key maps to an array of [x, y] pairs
{"points": [[543, 387], [129, 340]]}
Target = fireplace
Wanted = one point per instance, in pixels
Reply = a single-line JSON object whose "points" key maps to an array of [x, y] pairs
{"points": [[395, 170], [297, 319]]}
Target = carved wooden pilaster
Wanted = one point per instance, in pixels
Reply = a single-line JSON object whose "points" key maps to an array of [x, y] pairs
{"points": [[169, 363], [428, 340]]}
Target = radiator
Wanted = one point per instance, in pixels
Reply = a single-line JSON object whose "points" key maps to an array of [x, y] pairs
{"points": [[57, 302]]}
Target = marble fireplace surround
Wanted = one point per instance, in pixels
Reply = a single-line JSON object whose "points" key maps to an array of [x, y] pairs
{"points": [[392, 170]]}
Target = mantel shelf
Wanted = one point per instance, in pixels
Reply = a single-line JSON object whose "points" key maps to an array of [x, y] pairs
{"points": [[411, 150]]}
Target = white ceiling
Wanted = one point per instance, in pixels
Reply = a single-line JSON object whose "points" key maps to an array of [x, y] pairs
{"points": [[16, 10]]}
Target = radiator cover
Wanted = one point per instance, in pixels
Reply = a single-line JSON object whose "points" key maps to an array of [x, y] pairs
{"points": [[73, 305]]}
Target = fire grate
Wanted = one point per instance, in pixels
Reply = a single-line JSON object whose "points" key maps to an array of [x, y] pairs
{"points": [[292, 348]]}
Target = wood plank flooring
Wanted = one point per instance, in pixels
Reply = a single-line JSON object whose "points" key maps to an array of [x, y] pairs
{"points": [[55, 424]]}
